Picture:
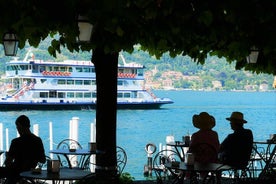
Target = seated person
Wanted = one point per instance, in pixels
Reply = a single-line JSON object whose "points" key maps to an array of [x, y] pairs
{"points": [[236, 149], [25, 152], [204, 143]]}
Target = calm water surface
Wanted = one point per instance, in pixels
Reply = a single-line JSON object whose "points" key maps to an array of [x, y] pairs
{"points": [[136, 128]]}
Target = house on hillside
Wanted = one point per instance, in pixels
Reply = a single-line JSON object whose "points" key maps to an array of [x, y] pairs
{"points": [[263, 86]]}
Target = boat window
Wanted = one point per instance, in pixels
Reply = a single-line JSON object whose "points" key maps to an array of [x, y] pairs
{"points": [[70, 69], [43, 95], [62, 68], [86, 82], [140, 95], [134, 94], [41, 68], [78, 82], [120, 83], [56, 68], [126, 95], [43, 80], [79, 95], [93, 82], [140, 72], [120, 95], [70, 82], [61, 81], [94, 95], [23, 67], [126, 83], [70, 95], [53, 94], [93, 70], [61, 95], [86, 69], [34, 69], [78, 69], [87, 95], [15, 67], [49, 68]]}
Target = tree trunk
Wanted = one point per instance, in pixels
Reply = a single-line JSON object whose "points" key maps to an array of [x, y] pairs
{"points": [[106, 68]]}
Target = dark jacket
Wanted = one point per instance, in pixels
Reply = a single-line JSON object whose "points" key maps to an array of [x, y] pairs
{"points": [[27, 151], [236, 149]]}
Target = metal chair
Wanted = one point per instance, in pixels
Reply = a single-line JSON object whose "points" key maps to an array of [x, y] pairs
{"points": [[121, 163], [75, 160], [121, 159], [205, 153], [241, 174], [256, 160], [161, 172]]}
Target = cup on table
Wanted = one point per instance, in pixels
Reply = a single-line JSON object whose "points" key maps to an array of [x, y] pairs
{"points": [[53, 166], [190, 159], [92, 146]]}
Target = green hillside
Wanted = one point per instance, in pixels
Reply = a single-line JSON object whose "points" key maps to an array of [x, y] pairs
{"points": [[214, 72]]}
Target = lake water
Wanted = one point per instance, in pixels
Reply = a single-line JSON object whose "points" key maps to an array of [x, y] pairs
{"points": [[136, 128]]}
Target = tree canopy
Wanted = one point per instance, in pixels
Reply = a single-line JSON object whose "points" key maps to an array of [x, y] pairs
{"points": [[192, 27], [195, 27]]}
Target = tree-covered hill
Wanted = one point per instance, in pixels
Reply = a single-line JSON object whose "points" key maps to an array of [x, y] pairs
{"points": [[215, 74]]}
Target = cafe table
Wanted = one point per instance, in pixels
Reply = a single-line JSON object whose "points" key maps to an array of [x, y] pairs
{"points": [[84, 153], [65, 174], [268, 156], [214, 168], [179, 148]]}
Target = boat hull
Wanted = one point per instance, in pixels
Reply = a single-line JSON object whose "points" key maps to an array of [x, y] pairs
{"points": [[17, 106]]}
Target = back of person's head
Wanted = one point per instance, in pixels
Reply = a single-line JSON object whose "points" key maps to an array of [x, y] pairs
{"points": [[23, 121], [204, 121]]}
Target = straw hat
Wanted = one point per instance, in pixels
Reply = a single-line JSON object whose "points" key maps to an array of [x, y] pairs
{"points": [[204, 121], [237, 117]]}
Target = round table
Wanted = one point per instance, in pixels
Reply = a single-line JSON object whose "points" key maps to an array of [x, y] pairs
{"points": [[64, 174]]}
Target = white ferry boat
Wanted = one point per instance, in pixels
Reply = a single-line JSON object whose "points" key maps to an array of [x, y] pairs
{"points": [[32, 84]]}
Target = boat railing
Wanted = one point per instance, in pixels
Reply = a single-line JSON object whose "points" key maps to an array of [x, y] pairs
{"points": [[55, 73], [126, 75]]}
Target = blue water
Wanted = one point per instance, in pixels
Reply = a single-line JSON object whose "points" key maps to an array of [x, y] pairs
{"points": [[136, 128]]}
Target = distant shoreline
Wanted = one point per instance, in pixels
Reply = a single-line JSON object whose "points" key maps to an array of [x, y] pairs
{"points": [[180, 89]]}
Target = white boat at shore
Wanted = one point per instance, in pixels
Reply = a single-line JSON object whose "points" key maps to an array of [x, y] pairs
{"points": [[32, 84]]}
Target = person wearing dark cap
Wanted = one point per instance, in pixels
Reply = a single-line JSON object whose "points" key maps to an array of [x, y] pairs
{"points": [[25, 152], [236, 148]]}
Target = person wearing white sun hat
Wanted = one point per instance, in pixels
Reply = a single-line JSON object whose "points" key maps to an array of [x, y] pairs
{"points": [[236, 148]]}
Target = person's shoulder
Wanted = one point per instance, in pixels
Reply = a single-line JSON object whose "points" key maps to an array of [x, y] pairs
{"points": [[248, 131], [15, 139], [214, 132], [36, 137]]}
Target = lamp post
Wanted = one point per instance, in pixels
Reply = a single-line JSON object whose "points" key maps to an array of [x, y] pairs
{"points": [[85, 29], [253, 56], [10, 42]]}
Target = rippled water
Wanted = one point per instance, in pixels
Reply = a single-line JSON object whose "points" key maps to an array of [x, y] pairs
{"points": [[136, 128]]}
